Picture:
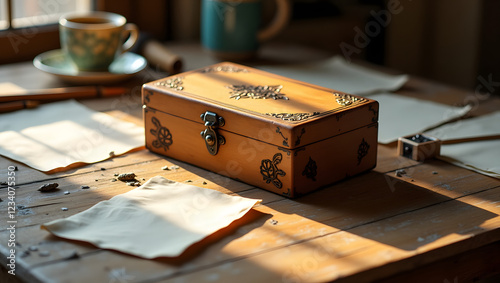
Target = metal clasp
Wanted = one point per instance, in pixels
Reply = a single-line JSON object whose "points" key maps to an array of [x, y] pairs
{"points": [[212, 139]]}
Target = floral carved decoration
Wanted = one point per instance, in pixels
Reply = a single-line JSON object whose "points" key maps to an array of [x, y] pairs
{"points": [[362, 150], [270, 171], [162, 134]]}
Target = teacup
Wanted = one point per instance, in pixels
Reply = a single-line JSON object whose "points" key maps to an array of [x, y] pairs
{"points": [[230, 28], [93, 40]]}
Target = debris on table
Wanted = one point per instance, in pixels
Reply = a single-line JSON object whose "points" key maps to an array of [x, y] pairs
{"points": [[48, 187], [73, 255], [119, 275], [400, 172], [85, 187], [126, 177], [173, 167], [66, 192], [64, 208], [23, 210]]}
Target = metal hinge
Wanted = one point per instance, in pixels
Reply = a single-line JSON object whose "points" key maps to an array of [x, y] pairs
{"points": [[212, 139]]}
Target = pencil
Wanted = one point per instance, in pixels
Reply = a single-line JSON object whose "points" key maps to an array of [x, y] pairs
{"points": [[473, 139], [53, 94], [17, 105]]}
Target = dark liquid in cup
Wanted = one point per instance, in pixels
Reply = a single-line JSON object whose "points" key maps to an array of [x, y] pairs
{"points": [[89, 21]]}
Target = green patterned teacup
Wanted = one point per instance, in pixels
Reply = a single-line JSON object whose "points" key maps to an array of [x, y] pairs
{"points": [[93, 40]]}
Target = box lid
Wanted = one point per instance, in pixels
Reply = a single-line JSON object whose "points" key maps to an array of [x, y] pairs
{"points": [[260, 105]]}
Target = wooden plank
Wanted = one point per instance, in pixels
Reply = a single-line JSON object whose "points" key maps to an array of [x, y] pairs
{"points": [[328, 211], [361, 192], [469, 266], [459, 226], [42, 207], [45, 207], [365, 258], [355, 188], [26, 174], [389, 160], [9, 278], [441, 177], [331, 254]]}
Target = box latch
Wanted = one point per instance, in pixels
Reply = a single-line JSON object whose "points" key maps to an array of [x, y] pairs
{"points": [[210, 135]]}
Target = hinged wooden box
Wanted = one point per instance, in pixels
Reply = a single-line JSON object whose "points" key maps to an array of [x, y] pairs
{"points": [[279, 134]]}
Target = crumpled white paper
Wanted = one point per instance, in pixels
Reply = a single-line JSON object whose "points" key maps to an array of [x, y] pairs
{"points": [[161, 218]]}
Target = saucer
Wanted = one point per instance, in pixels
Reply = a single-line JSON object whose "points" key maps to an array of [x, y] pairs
{"points": [[56, 63]]}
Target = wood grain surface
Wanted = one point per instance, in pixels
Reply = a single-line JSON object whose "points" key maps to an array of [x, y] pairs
{"points": [[435, 222]]}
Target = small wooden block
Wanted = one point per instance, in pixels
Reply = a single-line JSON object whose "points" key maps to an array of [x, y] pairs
{"points": [[419, 147]]}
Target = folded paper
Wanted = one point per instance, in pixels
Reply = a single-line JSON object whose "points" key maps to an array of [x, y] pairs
{"points": [[59, 134], [161, 218]]}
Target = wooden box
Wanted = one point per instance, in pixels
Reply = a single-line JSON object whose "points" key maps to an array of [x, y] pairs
{"points": [[279, 134]]}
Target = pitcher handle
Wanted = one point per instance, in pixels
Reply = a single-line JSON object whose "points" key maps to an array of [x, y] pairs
{"points": [[280, 20]]}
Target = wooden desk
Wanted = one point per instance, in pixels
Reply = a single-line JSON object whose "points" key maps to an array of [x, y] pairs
{"points": [[437, 223]]}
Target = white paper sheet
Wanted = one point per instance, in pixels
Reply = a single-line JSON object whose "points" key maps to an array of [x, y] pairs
{"points": [[8, 87], [402, 116], [479, 156], [59, 134], [338, 74], [161, 218]]}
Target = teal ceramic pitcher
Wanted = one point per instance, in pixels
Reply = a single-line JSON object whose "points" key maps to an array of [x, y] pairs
{"points": [[230, 28]]}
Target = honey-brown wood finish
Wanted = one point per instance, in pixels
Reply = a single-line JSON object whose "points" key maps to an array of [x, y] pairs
{"points": [[282, 135]]}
